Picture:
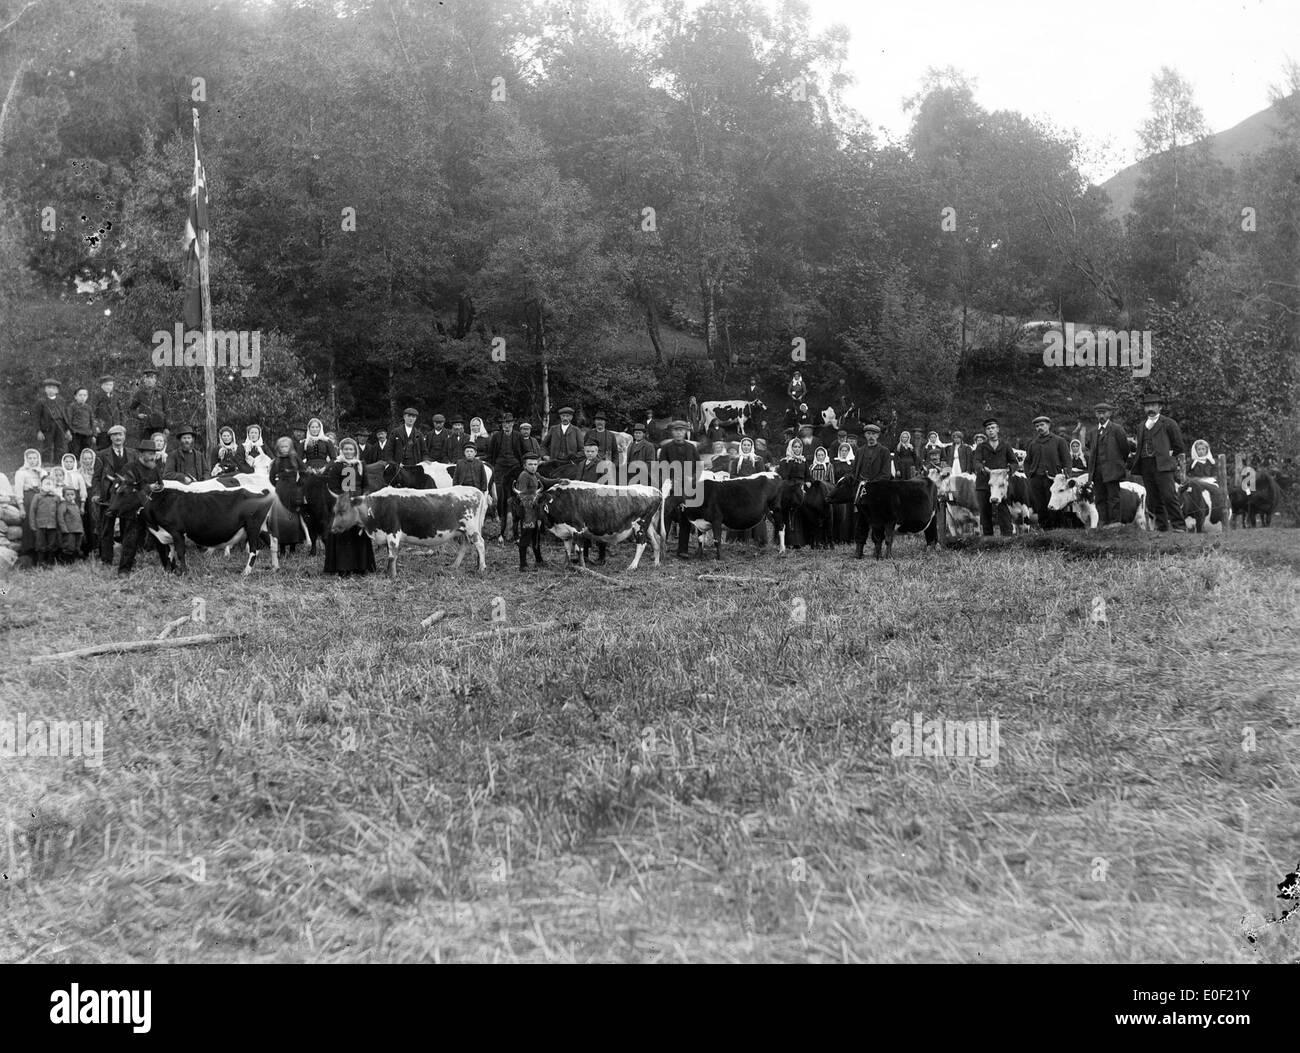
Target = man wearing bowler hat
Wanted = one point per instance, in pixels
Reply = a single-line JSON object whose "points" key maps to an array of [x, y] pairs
{"points": [[407, 442], [991, 456], [456, 439], [1108, 460], [1160, 454], [187, 462], [605, 441], [53, 432], [1046, 456], [563, 444], [642, 450]]}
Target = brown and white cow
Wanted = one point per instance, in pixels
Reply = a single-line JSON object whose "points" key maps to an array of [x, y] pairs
{"points": [[429, 518], [1076, 492], [573, 510]]}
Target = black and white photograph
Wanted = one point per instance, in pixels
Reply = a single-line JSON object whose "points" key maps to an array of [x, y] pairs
{"points": [[648, 482]]}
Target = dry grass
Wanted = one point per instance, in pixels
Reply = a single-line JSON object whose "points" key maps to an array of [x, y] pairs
{"points": [[642, 788]]}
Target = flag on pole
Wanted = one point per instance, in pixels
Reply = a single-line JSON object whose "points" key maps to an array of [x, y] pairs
{"points": [[196, 221]]}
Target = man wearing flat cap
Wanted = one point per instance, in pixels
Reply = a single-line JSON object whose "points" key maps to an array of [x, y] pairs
{"points": [[148, 405], [563, 444], [991, 456], [53, 431], [505, 456], [435, 442], [110, 465], [406, 443], [106, 410], [1046, 456], [680, 458], [1160, 453], [187, 462], [1108, 459], [874, 461]]}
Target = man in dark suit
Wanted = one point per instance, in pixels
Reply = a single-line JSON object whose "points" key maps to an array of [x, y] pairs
{"points": [[605, 440], [111, 464], [106, 411], [642, 450], [562, 442], [1108, 459], [505, 455], [874, 461], [149, 405], [53, 431], [406, 445], [187, 462], [1160, 452], [1046, 457], [991, 456], [680, 458], [368, 451], [435, 443]]}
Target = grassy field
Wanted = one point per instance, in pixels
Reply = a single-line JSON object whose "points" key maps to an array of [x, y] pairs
{"points": [[688, 771]]}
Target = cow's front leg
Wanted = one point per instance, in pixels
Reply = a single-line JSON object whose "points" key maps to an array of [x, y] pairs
{"points": [[275, 551], [392, 556]]}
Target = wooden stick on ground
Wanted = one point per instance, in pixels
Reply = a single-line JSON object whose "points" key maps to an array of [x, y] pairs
{"points": [[737, 578], [436, 616], [609, 581], [510, 630], [174, 624], [133, 645]]}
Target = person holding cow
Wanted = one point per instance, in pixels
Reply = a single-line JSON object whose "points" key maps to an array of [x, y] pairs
{"points": [[563, 444], [680, 459], [110, 467], [873, 460], [1160, 455], [349, 551], [991, 456], [406, 444], [505, 456], [526, 488], [1108, 456], [1046, 457], [141, 476]]}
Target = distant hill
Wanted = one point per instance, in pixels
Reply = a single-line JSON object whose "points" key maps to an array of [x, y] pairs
{"points": [[1230, 147]]}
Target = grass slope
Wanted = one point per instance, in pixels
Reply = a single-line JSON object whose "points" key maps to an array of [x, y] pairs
{"points": [[688, 774]]}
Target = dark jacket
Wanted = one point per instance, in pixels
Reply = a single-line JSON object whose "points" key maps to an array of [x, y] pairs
{"points": [[44, 511], [964, 455], [149, 409], [505, 452], [1047, 455], [752, 466], [872, 463], [907, 461], [793, 470], [1108, 453], [456, 443], [435, 446], [107, 411], [69, 517], [52, 416], [107, 465], [194, 464], [563, 446], [470, 473], [318, 452], [370, 453], [642, 452], [231, 460], [987, 459], [288, 467], [606, 442], [1163, 441], [80, 421], [530, 445], [593, 471], [404, 449]]}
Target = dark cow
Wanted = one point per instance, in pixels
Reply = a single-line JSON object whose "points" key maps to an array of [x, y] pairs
{"points": [[889, 506], [427, 475], [214, 513], [429, 518], [734, 504], [1264, 501], [607, 514], [1201, 501], [1020, 502], [731, 411]]}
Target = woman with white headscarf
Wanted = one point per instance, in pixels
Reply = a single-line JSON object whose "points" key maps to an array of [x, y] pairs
{"points": [[350, 551], [259, 461], [793, 468], [89, 510], [27, 484], [844, 516], [1203, 465], [479, 434], [1078, 459], [317, 449], [229, 458]]}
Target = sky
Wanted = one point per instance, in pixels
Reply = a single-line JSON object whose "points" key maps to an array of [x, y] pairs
{"points": [[1083, 66]]}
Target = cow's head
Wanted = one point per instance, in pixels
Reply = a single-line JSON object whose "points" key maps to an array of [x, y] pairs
{"points": [[756, 407], [128, 498], [999, 480], [1065, 488], [349, 511]]}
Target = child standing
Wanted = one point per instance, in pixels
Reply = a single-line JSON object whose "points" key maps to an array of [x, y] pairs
{"points": [[470, 471], [43, 518], [81, 422], [527, 486], [71, 529]]}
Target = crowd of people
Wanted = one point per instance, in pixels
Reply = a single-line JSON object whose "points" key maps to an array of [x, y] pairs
{"points": [[66, 482]]}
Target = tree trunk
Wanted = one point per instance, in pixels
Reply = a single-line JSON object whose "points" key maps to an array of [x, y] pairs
{"points": [[464, 316], [546, 371], [652, 326], [10, 96]]}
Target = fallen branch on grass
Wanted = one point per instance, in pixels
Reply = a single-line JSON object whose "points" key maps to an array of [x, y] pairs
{"points": [[608, 580], [436, 616], [134, 645], [174, 624], [737, 578]]}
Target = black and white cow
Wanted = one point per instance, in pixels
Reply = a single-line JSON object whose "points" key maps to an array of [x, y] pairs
{"points": [[889, 506], [427, 475], [728, 411], [573, 510], [428, 518], [1076, 492], [214, 513], [734, 504]]}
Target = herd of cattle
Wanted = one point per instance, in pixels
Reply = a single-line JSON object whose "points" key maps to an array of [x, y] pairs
{"points": [[396, 505]]}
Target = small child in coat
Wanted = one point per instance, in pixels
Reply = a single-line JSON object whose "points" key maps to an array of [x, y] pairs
{"points": [[527, 488], [71, 529], [43, 519], [470, 471]]}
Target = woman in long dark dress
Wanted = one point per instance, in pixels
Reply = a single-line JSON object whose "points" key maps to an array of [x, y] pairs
{"points": [[844, 516], [793, 468], [350, 551]]}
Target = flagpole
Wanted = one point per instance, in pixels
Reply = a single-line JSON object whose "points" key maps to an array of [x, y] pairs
{"points": [[209, 356]]}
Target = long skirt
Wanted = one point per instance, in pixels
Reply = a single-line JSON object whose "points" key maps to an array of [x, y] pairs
{"points": [[350, 552], [27, 546]]}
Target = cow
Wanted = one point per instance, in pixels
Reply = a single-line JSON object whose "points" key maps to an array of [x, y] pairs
{"points": [[1077, 490], [960, 503], [727, 411], [428, 518], [1020, 502], [606, 514], [889, 506], [1201, 501], [213, 513], [734, 504], [1263, 502], [427, 475]]}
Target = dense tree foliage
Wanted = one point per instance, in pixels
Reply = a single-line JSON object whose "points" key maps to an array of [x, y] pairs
{"points": [[495, 205]]}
